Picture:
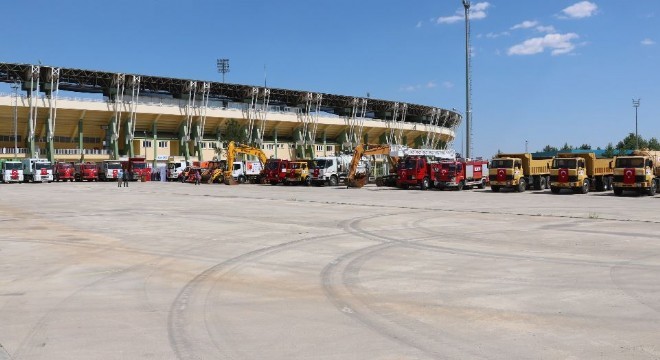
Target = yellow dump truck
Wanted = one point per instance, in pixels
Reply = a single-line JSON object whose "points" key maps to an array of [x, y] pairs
{"points": [[519, 171], [638, 172], [580, 172]]}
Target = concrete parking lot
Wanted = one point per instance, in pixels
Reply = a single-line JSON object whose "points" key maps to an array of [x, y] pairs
{"points": [[177, 271]]}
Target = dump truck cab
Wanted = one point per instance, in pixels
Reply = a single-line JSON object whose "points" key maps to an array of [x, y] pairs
{"points": [[297, 173], [580, 173], [519, 172], [637, 173]]}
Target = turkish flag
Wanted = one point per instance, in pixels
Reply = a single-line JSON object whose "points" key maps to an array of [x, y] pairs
{"points": [[501, 174], [563, 175], [629, 176]]}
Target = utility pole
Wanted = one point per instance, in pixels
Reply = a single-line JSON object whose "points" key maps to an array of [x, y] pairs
{"points": [[636, 106], [468, 82]]}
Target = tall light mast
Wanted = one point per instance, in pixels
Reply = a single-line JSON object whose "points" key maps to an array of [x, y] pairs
{"points": [[468, 83]]}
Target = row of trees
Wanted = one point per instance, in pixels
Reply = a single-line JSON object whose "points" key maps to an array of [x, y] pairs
{"points": [[628, 143]]}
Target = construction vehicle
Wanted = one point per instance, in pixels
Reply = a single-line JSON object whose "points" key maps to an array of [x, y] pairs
{"points": [[253, 171], [110, 170], [175, 166], [64, 171], [37, 170], [580, 172], [138, 168], [639, 172], [297, 173], [460, 174], [330, 170], [416, 169], [11, 171], [86, 171], [236, 172], [274, 171], [359, 175], [519, 172]]}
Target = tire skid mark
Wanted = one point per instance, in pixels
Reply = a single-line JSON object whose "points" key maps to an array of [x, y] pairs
{"points": [[179, 326]]}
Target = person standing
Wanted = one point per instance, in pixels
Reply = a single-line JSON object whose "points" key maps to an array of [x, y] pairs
{"points": [[198, 177], [125, 177]]}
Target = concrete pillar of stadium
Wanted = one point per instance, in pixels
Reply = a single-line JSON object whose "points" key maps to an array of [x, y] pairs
{"points": [[196, 130], [80, 139], [275, 140], [154, 130], [30, 143], [325, 142], [128, 139], [184, 149], [50, 147], [113, 136]]}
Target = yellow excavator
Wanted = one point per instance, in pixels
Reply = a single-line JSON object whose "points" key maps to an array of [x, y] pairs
{"points": [[358, 180], [234, 149]]}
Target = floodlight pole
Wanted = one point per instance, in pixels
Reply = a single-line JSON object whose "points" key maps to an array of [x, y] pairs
{"points": [[468, 105], [223, 67], [636, 106]]}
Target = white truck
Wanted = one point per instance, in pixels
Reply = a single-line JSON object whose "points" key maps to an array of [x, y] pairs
{"points": [[11, 171], [253, 171], [175, 167], [330, 170], [37, 170], [110, 170]]}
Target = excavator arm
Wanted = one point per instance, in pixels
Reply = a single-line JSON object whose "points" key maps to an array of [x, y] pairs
{"points": [[233, 150], [358, 180]]}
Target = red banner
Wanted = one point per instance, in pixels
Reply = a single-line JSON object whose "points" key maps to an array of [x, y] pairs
{"points": [[629, 176], [562, 175], [501, 174]]}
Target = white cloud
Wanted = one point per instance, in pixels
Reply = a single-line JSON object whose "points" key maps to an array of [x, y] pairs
{"points": [[648, 42], [477, 12], [411, 88], [447, 84], [559, 43], [525, 25], [491, 35], [419, 25], [546, 29], [580, 10], [431, 84]]}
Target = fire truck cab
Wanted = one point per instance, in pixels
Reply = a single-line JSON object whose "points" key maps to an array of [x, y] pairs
{"points": [[460, 174]]}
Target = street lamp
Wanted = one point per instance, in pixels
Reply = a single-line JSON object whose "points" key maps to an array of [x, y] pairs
{"points": [[15, 85], [636, 106], [223, 67]]}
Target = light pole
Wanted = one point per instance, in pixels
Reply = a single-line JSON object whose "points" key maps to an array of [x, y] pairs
{"points": [[223, 67], [468, 108], [636, 106], [15, 85]]}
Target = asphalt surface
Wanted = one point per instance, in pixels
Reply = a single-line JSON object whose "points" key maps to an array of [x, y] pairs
{"points": [[177, 271]]}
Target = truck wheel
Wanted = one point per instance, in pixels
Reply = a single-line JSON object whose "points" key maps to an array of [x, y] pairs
{"points": [[308, 181], [273, 182], [651, 191], [618, 191], [522, 185], [333, 181], [537, 182], [547, 182], [460, 186], [542, 183], [495, 188], [585, 187], [482, 184], [241, 179], [425, 184], [555, 190]]}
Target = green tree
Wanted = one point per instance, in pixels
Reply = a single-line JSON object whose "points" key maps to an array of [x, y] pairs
{"points": [[629, 143], [609, 151], [585, 147], [653, 144], [235, 132], [566, 147], [549, 148]]}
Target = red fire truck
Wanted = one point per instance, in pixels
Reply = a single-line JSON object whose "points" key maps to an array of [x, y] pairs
{"points": [[460, 174], [64, 171], [137, 168], [274, 171], [86, 171], [414, 171]]}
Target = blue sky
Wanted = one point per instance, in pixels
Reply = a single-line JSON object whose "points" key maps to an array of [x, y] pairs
{"points": [[548, 72]]}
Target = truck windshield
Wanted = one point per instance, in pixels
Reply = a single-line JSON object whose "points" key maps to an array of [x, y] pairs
{"points": [[89, 167], [450, 167], [323, 163], [564, 164], [40, 166], [630, 162], [507, 164], [410, 163], [13, 166], [237, 166], [272, 165], [139, 165], [114, 166]]}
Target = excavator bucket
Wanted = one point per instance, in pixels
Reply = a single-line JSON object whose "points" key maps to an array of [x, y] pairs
{"points": [[358, 181]]}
